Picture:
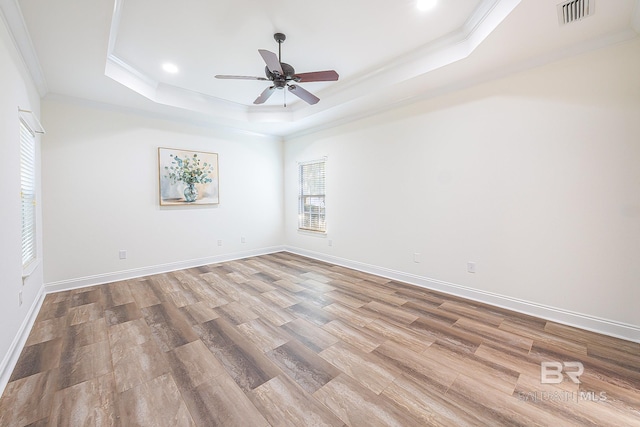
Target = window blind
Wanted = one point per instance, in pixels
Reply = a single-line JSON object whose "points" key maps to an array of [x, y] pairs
{"points": [[311, 196], [28, 193]]}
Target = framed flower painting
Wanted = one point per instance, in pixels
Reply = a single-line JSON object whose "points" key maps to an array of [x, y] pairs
{"points": [[187, 177]]}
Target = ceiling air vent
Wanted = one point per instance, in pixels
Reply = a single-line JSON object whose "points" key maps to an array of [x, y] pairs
{"points": [[575, 10]]}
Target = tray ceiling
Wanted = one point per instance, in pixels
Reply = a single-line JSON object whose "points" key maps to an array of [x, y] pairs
{"points": [[387, 53]]}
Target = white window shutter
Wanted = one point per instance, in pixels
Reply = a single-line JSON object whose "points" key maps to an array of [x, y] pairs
{"points": [[28, 193]]}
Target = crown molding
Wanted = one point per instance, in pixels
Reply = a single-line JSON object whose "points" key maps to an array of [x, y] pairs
{"points": [[12, 16], [443, 51]]}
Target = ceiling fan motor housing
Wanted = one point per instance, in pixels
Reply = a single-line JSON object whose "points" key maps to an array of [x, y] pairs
{"points": [[280, 81]]}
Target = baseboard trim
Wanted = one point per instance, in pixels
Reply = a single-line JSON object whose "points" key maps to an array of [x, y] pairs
{"points": [[11, 357], [100, 279], [566, 317], [579, 320]]}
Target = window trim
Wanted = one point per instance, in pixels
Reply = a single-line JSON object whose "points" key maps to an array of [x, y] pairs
{"points": [[322, 214]]}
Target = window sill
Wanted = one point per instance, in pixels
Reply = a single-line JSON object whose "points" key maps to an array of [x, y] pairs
{"points": [[312, 232], [30, 268]]}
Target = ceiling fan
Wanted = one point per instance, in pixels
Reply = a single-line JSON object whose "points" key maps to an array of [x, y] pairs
{"points": [[283, 75]]}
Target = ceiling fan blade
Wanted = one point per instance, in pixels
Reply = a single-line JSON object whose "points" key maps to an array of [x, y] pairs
{"points": [[317, 76], [306, 96], [222, 76], [271, 59], [265, 95]]}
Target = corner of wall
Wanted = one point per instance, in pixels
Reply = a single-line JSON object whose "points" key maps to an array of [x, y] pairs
{"points": [[11, 357]]}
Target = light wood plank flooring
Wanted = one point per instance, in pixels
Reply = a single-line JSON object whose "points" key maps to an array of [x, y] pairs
{"points": [[283, 340]]}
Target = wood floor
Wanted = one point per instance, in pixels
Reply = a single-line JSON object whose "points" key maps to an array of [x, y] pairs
{"points": [[283, 340]]}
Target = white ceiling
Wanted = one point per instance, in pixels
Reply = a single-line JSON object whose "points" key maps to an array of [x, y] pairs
{"points": [[387, 53]]}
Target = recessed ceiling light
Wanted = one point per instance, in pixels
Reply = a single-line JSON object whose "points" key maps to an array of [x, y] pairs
{"points": [[425, 5], [170, 68]]}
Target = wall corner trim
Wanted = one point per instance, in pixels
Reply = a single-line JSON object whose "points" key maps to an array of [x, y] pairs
{"points": [[565, 317], [11, 357]]}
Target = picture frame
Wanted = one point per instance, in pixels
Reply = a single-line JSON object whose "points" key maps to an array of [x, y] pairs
{"points": [[187, 177]]}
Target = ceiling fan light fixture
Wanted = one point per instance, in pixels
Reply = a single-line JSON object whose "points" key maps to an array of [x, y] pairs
{"points": [[425, 5], [170, 68]]}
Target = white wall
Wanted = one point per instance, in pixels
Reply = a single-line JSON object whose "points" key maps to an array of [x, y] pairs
{"points": [[100, 195], [535, 177], [16, 89]]}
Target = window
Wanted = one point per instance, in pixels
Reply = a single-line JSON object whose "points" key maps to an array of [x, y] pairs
{"points": [[311, 196], [28, 194]]}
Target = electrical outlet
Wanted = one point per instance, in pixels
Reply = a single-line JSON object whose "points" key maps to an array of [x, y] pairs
{"points": [[122, 254], [417, 258], [243, 240], [471, 267], [219, 242], [330, 242]]}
